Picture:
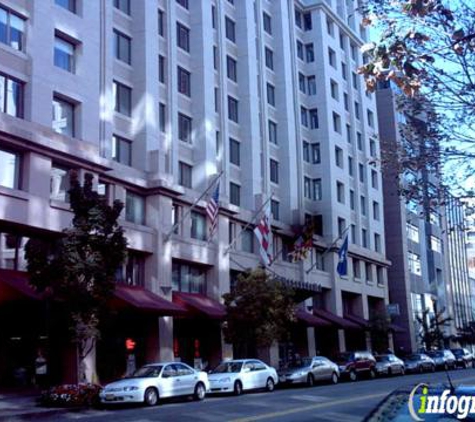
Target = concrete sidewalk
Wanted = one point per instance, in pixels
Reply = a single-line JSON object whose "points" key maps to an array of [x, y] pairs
{"points": [[22, 405]]}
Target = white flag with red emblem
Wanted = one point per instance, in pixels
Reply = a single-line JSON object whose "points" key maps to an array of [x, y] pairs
{"points": [[264, 236]]}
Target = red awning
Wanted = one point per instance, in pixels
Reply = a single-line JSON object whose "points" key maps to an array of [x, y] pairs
{"points": [[311, 320], [363, 323], [141, 298], [396, 328], [335, 319], [14, 285], [201, 304]]}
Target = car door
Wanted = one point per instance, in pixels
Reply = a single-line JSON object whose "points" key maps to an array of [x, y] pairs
{"points": [[168, 382], [187, 378], [260, 373], [247, 375], [320, 369]]}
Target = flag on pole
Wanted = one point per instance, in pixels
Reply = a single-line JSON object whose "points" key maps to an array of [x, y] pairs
{"points": [[212, 210], [304, 244], [264, 236], [342, 267]]}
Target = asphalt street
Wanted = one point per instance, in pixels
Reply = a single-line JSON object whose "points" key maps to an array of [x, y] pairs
{"points": [[345, 402]]}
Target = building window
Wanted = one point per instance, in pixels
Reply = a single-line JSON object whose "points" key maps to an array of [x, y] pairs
{"points": [[350, 166], [185, 175], [267, 23], [304, 116], [234, 152], [198, 226], [336, 122], [63, 117], [134, 208], [183, 3], [370, 115], [377, 242], [11, 96], [64, 54], [234, 194], [313, 118], [340, 192], [341, 226], [369, 272], [213, 16], [412, 232], [380, 275], [183, 37], [307, 190], [12, 29], [299, 50], [334, 89], [316, 153], [272, 132], [162, 117], [352, 199], [274, 171], [231, 233], [356, 268], [311, 85], [357, 110], [359, 141], [134, 269], [346, 101], [353, 234], [275, 209], [376, 214], [233, 114], [363, 205], [67, 4], [339, 157], [414, 263], [344, 72], [231, 66], [435, 244], [161, 69], [361, 172], [354, 78], [364, 238], [121, 150], [309, 53], [298, 18], [122, 98], [372, 148], [122, 47], [230, 29], [374, 179], [59, 183], [247, 241], [270, 94], [9, 169], [161, 23], [317, 189], [332, 58], [188, 278], [215, 57], [353, 52], [123, 6], [302, 85], [269, 58], [184, 128], [216, 100], [184, 81], [307, 21], [306, 151]]}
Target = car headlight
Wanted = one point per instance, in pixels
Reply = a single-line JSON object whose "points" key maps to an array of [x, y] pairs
{"points": [[132, 388]]}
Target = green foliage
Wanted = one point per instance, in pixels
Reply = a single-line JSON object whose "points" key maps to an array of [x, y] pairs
{"points": [[79, 268], [431, 328], [260, 310], [379, 329]]}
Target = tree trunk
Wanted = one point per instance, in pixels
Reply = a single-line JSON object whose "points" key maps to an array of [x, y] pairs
{"points": [[87, 361]]}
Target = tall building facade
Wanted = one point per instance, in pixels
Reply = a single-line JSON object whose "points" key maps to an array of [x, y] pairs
{"points": [[155, 98]]}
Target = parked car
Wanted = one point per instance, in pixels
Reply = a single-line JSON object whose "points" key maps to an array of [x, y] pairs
{"points": [[419, 362], [308, 370], [236, 376], [155, 381], [352, 365], [389, 365], [463, 357], [443, 359]]}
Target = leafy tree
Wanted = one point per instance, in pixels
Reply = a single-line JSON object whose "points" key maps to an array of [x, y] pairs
{"points": [[427, 47], [260, 311], [79, 271], [379, 329], [431, 328]]}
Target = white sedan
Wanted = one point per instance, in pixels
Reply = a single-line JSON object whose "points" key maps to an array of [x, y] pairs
{"points": [[236, 376], [156, 381]]}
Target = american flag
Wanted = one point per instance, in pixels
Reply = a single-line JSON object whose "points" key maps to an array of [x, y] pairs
{"points": [[264, 236], [212, 210]]}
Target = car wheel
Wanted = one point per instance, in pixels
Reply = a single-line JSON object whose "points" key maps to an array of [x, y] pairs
{"points": [[334, 378], [270, 384], [151, 396], [353, 376], [310, 380], [390, 372], [372, 374], [200, 391], [237, 388]]}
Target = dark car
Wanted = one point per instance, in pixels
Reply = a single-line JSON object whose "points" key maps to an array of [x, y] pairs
{"points": [[353, 365], [463, 357], [443, 359], [419, 362]]}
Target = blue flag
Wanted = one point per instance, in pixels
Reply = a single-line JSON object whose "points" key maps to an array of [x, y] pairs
{"points": [[342, 267]]}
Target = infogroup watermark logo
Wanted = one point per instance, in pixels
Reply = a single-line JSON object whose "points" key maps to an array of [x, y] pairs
{"points": [[422, 403]]}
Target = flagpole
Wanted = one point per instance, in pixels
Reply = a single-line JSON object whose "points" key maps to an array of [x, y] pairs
{"points": [[193, 206], [248, 224], [328, 249]]}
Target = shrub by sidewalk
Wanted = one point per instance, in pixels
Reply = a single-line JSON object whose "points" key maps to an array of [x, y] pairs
{"points": [[71, 395]]}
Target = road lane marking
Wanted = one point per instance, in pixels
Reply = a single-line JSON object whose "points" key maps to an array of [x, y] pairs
{"points": [[308, 397], [307, 408]]}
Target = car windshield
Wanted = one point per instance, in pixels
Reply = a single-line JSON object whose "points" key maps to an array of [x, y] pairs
{"points": [[382, 358], [227, 367], [301, 363], [147, 372]]}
